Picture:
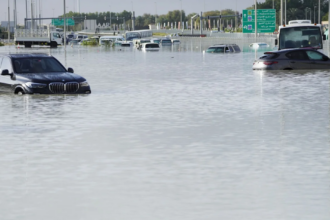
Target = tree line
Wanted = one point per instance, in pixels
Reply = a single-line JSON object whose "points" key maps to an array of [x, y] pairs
{"points": [[298, 9], [143, 21]]}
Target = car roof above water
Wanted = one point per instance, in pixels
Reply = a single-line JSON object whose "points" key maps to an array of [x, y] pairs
{"points": [[26, 55], [223, 45]]}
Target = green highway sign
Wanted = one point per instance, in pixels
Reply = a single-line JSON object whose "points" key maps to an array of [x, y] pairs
{"points": [[60, 22], [266, 21]]}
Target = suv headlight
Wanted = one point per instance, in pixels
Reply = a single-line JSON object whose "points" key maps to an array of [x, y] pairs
{"points": [[33, 85], [84, 84]]}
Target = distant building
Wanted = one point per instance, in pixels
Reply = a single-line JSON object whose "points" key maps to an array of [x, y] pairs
{"points": [[4, 24], [90, 25]]}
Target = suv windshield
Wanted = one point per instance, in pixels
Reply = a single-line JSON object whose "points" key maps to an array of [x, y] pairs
{"points": [[216, 50], [152, 46], [37, 65], [299, 37]]}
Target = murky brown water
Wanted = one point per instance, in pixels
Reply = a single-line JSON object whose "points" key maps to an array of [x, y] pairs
{"points": [[173, 135]]}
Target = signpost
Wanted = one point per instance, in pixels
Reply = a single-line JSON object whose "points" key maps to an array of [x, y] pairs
{"points": [[60, 22], [266, 21]]}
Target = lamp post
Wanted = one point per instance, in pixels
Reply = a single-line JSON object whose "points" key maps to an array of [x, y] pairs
{"points": [[15, 15], [8, 22], [306, 10], [64, 20], [285, 12], [319, 11], [181, 14], [156, 14], [26, 13], [314, 14], [256, 27], [281, 18], [328, 32], [110, 19]]}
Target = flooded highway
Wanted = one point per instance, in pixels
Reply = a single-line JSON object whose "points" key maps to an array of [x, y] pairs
{"points": [[175, 134]]}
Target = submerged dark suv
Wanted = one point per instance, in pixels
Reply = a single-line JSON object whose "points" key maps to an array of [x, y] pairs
{"points": [[38, 74]]}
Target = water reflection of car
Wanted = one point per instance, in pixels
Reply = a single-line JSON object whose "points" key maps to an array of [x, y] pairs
{"points": [[292, 59], [224, 48], [74, 42], [39, 74]]}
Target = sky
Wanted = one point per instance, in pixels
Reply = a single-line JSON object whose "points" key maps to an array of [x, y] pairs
{"points": [[51, 7]]}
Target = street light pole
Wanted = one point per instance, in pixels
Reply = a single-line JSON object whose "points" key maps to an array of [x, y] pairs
{"points": [[314, 14], [110, 19], [256, 28], [328, 31], [8, 22], [156, 14], [181, 14], [15, 15], [319, 11], [281, 18], [64, 19], [285, 12]]}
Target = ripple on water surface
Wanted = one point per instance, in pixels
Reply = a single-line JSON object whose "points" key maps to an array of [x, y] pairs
{"points": [[173, 134]]}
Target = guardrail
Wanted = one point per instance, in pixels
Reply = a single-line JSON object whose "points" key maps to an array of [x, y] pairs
{"points": [[202, 43], [211, 33]]}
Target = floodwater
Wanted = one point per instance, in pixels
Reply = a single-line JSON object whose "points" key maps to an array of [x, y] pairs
{"points": [[175, 134]]}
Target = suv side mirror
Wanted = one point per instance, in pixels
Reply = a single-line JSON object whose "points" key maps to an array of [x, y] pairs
{"points": [[5, 73], [70, 70], [325, 58]]}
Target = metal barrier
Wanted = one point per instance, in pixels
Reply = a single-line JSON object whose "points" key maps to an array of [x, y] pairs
{"points": [[202, 43]]}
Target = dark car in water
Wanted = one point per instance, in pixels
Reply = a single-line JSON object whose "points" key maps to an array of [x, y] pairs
{"points": [[38, 74], [224, 48], [292, 59]]}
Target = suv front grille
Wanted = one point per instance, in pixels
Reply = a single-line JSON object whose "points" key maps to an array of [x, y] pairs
{"points": [[60, 88], [71, 87]]}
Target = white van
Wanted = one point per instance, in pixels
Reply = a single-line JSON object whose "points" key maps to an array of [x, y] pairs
{"points": [[117, 40], [149, 47], [139, 42]]}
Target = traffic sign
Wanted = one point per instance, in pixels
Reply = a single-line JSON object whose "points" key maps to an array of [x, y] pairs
{"points": [[266, 21], [60, 22]]}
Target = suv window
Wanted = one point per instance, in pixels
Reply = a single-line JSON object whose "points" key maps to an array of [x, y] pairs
{"points": [[220, 50], [297, 55], [37, 65], [6, 64], [269, 56], [237, 49], [313, 55]]}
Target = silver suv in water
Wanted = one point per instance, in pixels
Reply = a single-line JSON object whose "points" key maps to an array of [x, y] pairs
{"points": [[292, 59], [224, 48]]}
